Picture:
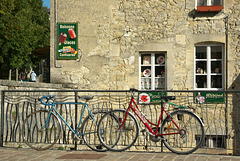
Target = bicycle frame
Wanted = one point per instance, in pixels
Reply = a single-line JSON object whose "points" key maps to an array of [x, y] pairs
{"points": [[60, 116], [146, 121]]}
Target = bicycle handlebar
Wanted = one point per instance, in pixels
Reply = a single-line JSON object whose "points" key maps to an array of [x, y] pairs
{"points": [[47, 100]]}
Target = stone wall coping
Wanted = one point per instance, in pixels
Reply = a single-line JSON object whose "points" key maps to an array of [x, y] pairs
{"points": [[30, 84]]}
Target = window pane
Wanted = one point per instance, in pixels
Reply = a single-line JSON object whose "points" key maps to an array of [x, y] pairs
{"points": [[216, 81], [216, 67], [216, 2], [160, 59], [159, 71], [216, 52], [201, 81], [145, 83], [201, 67], [201, 52], [146, 59], [202, 2], [159, 83]]}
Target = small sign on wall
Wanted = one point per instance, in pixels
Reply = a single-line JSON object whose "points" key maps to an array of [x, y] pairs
{"points": [[67, 40], [150, 97], [209, 97]]}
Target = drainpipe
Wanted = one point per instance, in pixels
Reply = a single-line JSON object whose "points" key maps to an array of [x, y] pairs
{"points": [[55, 49], [226, 33], [226, 83]]}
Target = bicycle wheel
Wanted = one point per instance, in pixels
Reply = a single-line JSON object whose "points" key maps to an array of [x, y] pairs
{"points": [[38, 137], [89, 131], [191, 137], [118, 140]]}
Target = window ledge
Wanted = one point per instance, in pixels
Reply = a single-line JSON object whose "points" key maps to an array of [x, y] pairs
{"points": [[209, 8]]}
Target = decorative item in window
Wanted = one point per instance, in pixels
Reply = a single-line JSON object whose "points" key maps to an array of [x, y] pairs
{"points": [[147, 73], [146, 60], [148, 83], [162, 73], [156, 83], [142, 83], [160, 60], [217, 70]]}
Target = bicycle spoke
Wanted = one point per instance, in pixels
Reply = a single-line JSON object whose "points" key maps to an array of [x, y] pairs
{"points": [[38, 135], [191, 128], [114, 139], [89, 131]]}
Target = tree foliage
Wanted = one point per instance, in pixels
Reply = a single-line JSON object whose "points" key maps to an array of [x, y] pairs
{"points": [[24, 26]]}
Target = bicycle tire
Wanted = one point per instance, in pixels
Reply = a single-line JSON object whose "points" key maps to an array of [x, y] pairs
{"points": [[191, 127], [36, 137], [89, 131], [122, 139]]}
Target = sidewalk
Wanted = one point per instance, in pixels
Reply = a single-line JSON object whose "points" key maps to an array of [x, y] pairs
{"points": [[17, 154]]}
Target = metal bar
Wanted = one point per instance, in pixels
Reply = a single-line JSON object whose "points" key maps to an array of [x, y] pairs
{"points": [[2, 118], [162, 120], [76, 114], [109, 91]]}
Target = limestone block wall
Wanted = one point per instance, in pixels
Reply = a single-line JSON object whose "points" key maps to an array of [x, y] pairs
{"points": [[112, 33]]}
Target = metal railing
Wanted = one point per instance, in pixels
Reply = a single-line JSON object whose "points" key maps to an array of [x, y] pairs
{"points": [[221, 119]]}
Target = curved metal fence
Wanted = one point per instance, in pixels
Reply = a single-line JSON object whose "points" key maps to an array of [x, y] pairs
{"points": [[220, 116]]}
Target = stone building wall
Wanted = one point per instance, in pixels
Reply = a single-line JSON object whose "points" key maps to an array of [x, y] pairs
{"points": [[111, 34]]}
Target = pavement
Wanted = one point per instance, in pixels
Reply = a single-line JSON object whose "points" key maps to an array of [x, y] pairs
{"points": [[24, 154]]}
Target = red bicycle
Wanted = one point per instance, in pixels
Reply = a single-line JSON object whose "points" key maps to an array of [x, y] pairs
{"points": [[182, 131]]}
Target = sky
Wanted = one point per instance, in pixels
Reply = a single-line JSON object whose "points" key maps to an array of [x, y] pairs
{"points": [[46, 3]]}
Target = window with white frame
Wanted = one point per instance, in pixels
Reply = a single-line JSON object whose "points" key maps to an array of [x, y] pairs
{"points": [[209, 2], [152, 69], [208, 67], [213, 141]]}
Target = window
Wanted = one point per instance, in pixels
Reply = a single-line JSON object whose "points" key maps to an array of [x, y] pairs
{"points": [[209, 5], [209, 2], [208, 70], [152, 71], [213, 141]]}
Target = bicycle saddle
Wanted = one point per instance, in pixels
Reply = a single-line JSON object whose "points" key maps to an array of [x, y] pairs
{"points": [[87, 98]]}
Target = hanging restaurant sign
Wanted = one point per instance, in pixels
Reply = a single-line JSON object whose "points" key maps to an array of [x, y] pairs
{"points": [[67, 40]]}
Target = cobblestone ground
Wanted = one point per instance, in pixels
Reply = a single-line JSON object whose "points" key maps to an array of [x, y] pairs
{"points": [[17, 154]]}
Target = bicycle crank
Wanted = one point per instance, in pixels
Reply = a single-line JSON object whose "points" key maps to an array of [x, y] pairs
{"points": [[77, 138], [153, 137]]}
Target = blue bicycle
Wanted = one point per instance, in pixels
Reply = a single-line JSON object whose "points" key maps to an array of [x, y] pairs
{"points": [[41, 129]]}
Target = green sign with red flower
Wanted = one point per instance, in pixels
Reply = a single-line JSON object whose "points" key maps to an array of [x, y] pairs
{"points": [[150, 97]]}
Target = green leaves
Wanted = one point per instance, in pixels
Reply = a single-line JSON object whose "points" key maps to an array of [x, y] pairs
{"points": [[24, 26]]}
